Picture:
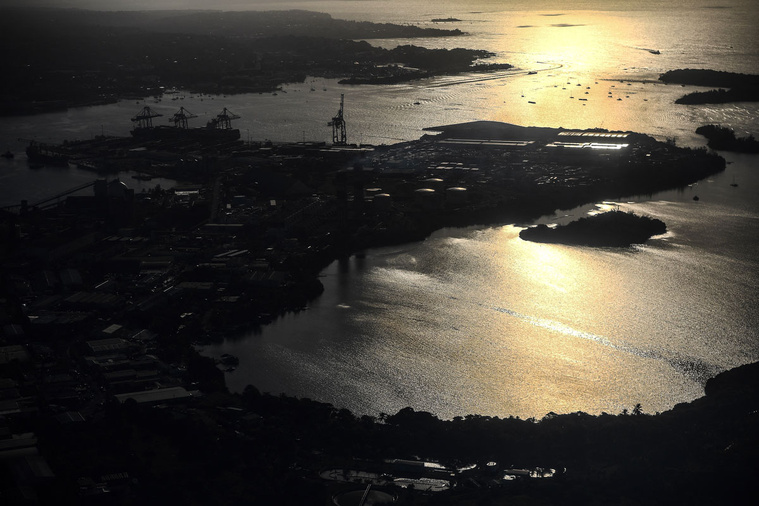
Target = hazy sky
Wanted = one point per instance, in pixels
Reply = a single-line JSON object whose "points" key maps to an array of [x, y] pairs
{"points": [[355, 6], [288, 4]]}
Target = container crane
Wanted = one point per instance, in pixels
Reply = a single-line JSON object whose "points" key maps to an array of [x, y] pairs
{"points": [[180, 118], [339, 138], [223, 120], [145, 117]]}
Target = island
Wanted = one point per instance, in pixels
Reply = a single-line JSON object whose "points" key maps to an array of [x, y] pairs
{"points": [[733, 87], [723, 138], [610, 229]]}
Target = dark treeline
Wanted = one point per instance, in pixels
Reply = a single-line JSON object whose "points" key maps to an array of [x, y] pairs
{"points": [[248, 24], [720, 96], [268, 449], [698, 77], [77, 58], [742, 87], [724, 138]]}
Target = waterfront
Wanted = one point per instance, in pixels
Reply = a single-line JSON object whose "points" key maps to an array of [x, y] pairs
{"points": [[477, 320], [474, 320]]}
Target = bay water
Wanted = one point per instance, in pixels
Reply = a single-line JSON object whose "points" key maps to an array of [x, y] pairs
{"points": [[474, 320]]}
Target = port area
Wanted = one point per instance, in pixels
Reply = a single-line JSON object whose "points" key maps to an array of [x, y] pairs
{"points": [[245, 234], [107, 295], [430, 476]]}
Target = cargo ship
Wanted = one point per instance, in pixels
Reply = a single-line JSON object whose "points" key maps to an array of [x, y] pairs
{"points": [[217, 129], [42, 154]]}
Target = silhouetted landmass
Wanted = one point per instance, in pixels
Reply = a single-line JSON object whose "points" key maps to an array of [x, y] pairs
{"points": [[77, 58], [723, 138], [246, 24], [699, 77], [613, 228], [720, 96], [104, 299], [445, 20], [742, 87], [269, 449], [420, 63]]}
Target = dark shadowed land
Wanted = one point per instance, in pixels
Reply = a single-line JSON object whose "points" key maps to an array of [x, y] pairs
{"points": [[740, 87], [264, 449], [611, 229], [723, 138], [105, 297], [77, 58]]}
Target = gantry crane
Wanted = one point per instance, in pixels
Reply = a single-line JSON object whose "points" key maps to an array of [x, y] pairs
{"points": [[339, 138], [145, 117], [180, 118], [223, 120]]}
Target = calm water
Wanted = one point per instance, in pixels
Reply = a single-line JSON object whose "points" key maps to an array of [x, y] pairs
{"points": [[476, 320]]}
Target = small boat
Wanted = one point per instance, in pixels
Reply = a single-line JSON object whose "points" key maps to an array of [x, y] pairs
{"points": [[229, 360], [530, 102], [654, 51], [532, 72], [8, 154]]}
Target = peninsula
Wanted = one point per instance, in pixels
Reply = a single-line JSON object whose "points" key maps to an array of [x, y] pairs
{"points": [[733, 87], [723, 138], [610, 229]]}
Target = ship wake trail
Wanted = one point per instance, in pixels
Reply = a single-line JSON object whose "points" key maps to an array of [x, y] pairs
{"points": [[693, 368]]}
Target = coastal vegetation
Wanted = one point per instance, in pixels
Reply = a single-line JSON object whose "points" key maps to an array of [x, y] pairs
{"points": [[723, 138], [228, 448], [613, 228], [733, 87]]}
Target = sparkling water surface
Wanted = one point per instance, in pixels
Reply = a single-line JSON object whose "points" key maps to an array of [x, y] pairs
{"points": [[474, 320]]}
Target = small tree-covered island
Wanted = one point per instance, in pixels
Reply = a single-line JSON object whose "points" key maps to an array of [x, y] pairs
{"points": [[724, 138], [613, 228]]}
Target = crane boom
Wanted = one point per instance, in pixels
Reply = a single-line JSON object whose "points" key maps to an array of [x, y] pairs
{"points": [[339, 136]]}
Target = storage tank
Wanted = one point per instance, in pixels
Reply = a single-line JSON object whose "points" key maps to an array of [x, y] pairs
{"points": [[434, 182], [425, 197], [455, 196], [382, 202]]}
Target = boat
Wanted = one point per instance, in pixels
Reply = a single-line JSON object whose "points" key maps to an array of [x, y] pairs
{"points": [[229, 360], [38, 153], [8, 155], [654, 51], [219, 129], [531, 73]]}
